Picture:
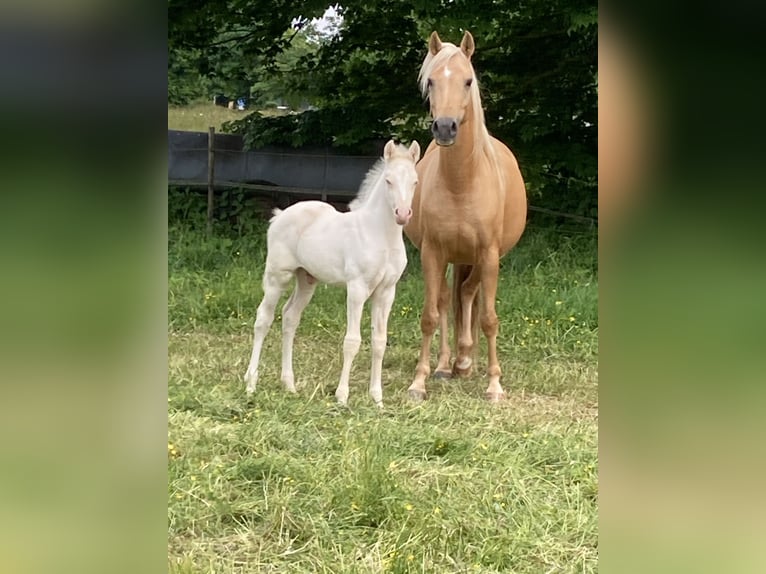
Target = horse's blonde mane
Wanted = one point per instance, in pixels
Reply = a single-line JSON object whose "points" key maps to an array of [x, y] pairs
{"points": [[373, 177], [481, 137]]}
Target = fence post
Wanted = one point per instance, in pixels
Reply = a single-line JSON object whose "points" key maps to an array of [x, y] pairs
{"points": [[210, 177]]}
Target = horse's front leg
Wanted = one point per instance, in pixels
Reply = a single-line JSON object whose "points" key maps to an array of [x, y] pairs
{"points": [[356, 295], [490, 324], [434, 267], [382, 300]]}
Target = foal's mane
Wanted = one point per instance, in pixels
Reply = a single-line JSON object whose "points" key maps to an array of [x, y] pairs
{"points": [[481, 137], [373, 177], [368, 185]]}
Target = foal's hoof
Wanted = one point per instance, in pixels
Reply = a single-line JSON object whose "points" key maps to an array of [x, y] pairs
{"points": [[442, 375], [495, 397], [416, 395]]}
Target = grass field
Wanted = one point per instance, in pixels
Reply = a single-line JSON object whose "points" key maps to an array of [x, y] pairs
{"points": [[199, 117], [293, 483]]}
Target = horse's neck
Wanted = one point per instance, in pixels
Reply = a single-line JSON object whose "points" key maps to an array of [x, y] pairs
{"points": [[378, 216], [458, 161]]}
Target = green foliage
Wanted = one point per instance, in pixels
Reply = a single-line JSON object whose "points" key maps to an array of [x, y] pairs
{"points": [[536, 61]]}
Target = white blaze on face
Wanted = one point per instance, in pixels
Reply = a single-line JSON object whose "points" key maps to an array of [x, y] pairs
{"points": [[447, 72]]}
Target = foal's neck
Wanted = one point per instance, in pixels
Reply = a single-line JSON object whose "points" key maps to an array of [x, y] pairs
{"points": [[378, 215]]}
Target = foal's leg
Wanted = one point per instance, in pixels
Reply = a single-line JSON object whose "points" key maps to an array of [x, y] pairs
{"points": [[382, 299], [274, 282], [445, 353], [356, 295], [489, 323], [291, 317], [433, 273], [468, 292]]}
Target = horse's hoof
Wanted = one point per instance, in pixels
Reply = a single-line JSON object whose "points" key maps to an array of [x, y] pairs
{"points": [[495, 397], [416, 395], [442, 375], [462, 373]]}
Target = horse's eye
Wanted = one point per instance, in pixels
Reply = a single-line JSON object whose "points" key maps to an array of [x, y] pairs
{"points": [[388, 181], [468, 82], [429, 83]]}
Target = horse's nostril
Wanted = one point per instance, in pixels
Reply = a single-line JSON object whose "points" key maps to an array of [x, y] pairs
{"points": [[453, 126]]}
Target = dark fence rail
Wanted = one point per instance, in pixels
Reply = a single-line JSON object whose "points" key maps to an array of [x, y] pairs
{"points": [[216, 161]]}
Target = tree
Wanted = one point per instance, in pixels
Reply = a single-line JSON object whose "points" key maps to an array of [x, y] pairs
{"points": [[536, 61]]}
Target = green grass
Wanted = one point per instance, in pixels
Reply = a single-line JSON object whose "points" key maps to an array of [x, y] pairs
{"points": [[293, 483], [199, 117]]}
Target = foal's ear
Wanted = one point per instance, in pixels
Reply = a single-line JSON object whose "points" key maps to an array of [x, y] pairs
{"points": [[467, 45], [415, 151], [434, 43], [389, 150]]}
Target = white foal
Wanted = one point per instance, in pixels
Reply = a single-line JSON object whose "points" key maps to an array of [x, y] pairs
{"points": [[362, 249]]}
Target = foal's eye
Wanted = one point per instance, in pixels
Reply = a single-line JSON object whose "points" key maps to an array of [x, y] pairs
{"points": [[429, 83], [388, 181], [468, 82]]}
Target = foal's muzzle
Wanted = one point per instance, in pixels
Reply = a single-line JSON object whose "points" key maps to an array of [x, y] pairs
{"points": [[402, 215], [444, 130]]}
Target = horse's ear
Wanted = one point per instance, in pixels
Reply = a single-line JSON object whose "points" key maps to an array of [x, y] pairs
{"points": [[434, 43], [467, 45], [415, 151], [389, 150]]}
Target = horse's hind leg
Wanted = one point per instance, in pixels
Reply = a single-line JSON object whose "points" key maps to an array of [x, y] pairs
{"points": [[291, 317], [443, 370], [464, 318], [273, 285]]}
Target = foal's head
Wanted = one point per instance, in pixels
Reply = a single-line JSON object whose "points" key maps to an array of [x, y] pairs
{"points": [[448, 80], [400, 178]]}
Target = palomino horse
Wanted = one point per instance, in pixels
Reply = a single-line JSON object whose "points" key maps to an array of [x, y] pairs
{"points": [[469, 209], [362, 249]]}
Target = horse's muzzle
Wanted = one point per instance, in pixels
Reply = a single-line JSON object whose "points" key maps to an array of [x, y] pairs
{"points": [[444, 130], [402, 216]]}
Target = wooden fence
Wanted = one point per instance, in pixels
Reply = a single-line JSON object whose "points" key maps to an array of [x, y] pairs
{"points": [[215, 161]]}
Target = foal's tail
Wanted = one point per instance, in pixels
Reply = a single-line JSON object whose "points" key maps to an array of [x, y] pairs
{"points": [[459, 274], [276, 212]]}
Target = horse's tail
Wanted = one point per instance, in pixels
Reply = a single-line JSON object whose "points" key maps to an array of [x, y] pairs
{"points": [[459, 274], [276, 212]]}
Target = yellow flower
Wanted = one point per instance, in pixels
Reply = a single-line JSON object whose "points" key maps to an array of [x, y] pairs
{"points": [[558, 302], [392, 465], [571, 318], [410, 558], [483, 446], [193, 478], [437, 510], [354, 506], [408, 507], [497, 496]]}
